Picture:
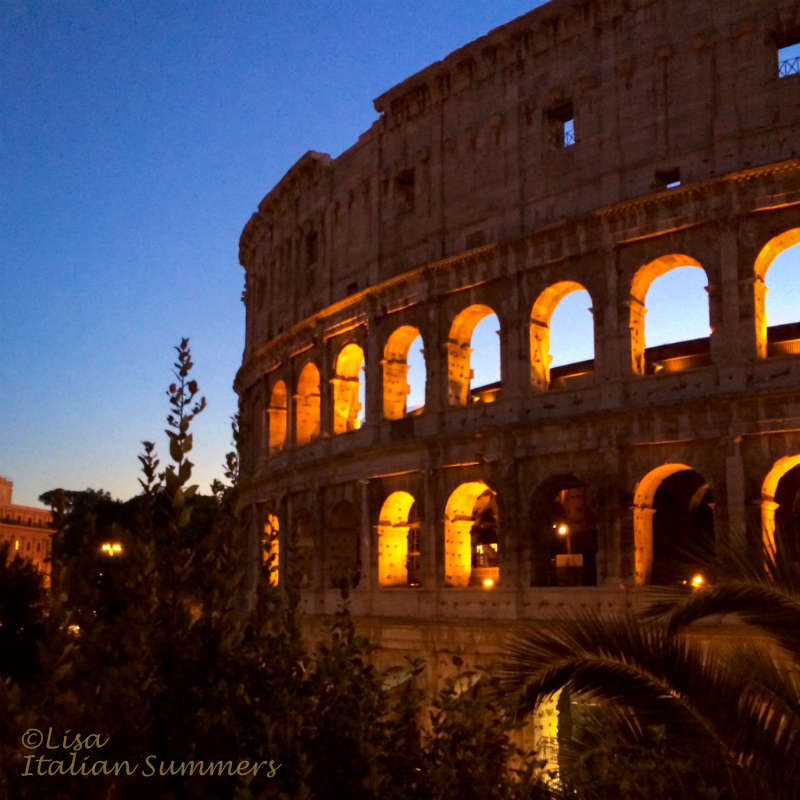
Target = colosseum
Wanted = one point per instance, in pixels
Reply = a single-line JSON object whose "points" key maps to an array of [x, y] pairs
{"points": [[589, 145]]}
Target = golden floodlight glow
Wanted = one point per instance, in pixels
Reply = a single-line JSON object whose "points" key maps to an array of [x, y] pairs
{"points": [[16, 544], [698, 580], [111, 548], [563, 530], [488, 583]]}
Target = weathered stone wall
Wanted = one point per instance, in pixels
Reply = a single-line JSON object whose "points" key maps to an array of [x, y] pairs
{"points": [[463, 196]]}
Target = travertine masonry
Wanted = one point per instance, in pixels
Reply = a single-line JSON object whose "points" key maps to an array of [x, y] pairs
{"points": [[468, 195]]}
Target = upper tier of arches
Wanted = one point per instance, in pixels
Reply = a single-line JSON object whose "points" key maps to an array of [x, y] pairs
{"points": [[361, 374]]}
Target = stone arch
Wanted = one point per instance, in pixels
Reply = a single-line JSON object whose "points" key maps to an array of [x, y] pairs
{"points": [[768, 253], [307, 404], [398, 541], [459, 370], [471, 548], [395, 371], [346, 386], [669, 549], [780, 505], [541, 314], [563, 533], [642, 280], [342, 553], [278, 416], [270, 546]]}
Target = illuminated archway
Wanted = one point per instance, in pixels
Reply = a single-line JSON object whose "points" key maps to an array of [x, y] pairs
{"points": [[307, 404], [277, 417], [541, 315], [564, 534], [270, 547], [398, 542], [470, 536], [396, 387], [780, 504], [342, 550], [641, 283], [459, 351], [774, 248], [673, 525], [346, 386]]}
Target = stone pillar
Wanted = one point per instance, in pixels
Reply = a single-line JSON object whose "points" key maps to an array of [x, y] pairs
{"points": [[459, 372], [430, 531], [734, 496], [373, 373], [610, 335], [326, 372], [514, 369], [367, 554], [636, 313], [436, 384]]}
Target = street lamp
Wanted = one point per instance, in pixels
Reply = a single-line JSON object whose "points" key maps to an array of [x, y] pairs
{"points": [[111, 548]]}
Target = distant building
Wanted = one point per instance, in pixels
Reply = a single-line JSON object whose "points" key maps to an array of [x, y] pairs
{"points": [[28, 530]]}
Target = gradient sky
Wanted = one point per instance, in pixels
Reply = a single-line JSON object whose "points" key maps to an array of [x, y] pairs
{"points": [[137, 138]]}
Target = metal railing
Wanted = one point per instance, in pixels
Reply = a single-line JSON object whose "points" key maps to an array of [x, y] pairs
{"points": [[790, 66]]}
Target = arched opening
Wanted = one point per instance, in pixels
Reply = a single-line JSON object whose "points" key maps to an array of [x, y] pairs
{"points": [[777, 300], [347, 389], [277, 412], [471, 550], [300, 554], [270, 547], [398, 542], [564, 541], [780, 508], [571, 324], [401, 396], [673, 518], [474, 330], [677, 305], [307, 404], [343, 558]]}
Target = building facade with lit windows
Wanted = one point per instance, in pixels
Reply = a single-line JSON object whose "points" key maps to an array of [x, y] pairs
{"points": [[27, 530], [589, 145]]}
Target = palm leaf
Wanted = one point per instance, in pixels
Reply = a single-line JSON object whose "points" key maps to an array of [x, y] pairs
{"points": [[645, 674]]}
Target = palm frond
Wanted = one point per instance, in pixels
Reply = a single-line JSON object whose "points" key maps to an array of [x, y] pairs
{"points": [[646, 675], [772, 608]]}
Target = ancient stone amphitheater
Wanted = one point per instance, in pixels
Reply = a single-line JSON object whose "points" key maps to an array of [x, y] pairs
{"points": [[589, 144]]}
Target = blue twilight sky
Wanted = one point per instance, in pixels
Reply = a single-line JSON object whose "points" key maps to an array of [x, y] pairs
{"points": [[137, 138]]}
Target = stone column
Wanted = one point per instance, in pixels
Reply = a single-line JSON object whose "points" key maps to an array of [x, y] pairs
{"points": [[367, 553], [373, 373], [429, 532], [326, 373], [734, 497]]}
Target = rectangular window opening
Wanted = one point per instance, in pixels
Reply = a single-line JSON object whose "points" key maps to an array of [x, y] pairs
{"points": [[404, 190], [789, 59], [569, 133], [562, 120], [312, 248], [669, 178]]}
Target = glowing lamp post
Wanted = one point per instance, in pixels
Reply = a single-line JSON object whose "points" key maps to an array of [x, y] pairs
{"points": [[111, 549]]}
